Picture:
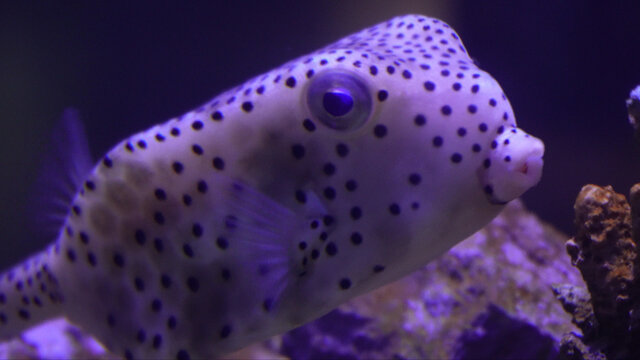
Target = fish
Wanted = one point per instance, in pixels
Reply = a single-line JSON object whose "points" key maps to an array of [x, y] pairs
{"points": [[276, 201]]}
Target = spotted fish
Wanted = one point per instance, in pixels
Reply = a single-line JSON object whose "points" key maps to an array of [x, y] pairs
{"points": [[282, 198]]}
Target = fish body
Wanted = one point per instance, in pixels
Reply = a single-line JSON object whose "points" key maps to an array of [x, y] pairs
{"points": [[282, 198]]}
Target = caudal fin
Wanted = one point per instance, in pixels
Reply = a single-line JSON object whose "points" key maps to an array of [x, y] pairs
{"points": [[29, 294]]}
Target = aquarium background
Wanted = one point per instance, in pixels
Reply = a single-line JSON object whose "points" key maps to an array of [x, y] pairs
{"points": [[567, 68]]}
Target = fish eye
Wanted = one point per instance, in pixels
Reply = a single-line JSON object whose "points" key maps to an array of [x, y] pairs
{"points": [[340, 100]]}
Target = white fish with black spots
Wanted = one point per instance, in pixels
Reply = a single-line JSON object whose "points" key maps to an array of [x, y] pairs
{"points": [[282, 198]]}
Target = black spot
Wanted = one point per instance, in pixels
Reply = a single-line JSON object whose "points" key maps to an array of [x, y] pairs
{"points": [[202, 187], [446, 110], [157, 244], [331, 249], [309, 125], [507, 158], [351, 185], [186, 199], [356, 238], [71, 255], [456, 158], [420, 120], [197, 149], [456, 86], [183, 355], [225, 331], [107, 162], [494, 144], [91, 259], [342, 150], [291, 82], [373, 70], [310, 74], [472, 109], [486, 163], [500, 129], [197, 125], [247, 106], [172, 322], [380, 131], [406, 74], [345, 283], [160, 194], [222, 243], [225, 274], [260, 90], [165, 281], [90, 185], [158, 217], [76, 210], [429, 85], [482, 127], [302, 245], [267, 304], [177, 167], [391, 69], [315, 254], [356, 213], [187, 250], [493, 102], [111, 320], [462, 132], [415, 179], [139, 284], [118, 260], [383, 95], [196, 230], [488, 189], [329, 169], [437, 141], [193, 284], [141, 336], [297, 151], [129, 147], [445, 73], [175, 132], [328, 220], [160, 137], [3, 318], [24, 314], [329, 193], [476, 148], [217, 116], [475, 88], [3, 299], [378, 268], [157, 341], [156, 305], [394, 209], [301, 197]]}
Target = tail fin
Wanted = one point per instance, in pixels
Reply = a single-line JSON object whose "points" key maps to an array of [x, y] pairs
{"points": [[29, 294]]}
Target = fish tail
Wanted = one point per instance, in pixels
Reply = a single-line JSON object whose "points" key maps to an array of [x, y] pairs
{"points": [[29, 294]]}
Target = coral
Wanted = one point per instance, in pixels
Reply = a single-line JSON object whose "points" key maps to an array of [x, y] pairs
{"points": [[490, 296], [605, 249]]}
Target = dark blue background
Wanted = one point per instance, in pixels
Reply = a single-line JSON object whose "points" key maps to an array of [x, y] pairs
{"points": [[567, 67]]}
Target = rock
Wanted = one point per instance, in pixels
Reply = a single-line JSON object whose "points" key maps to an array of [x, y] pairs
{"points": [[605, 249], [490, 295]]}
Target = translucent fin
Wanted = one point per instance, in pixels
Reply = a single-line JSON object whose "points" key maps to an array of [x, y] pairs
{"points": [[66, 163], [263, 231]]}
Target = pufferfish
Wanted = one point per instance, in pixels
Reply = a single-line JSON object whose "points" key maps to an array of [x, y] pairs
{"points": [[280, 199]]}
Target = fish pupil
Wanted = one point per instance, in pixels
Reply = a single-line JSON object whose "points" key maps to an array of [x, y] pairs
{"points": [[337, 102]]}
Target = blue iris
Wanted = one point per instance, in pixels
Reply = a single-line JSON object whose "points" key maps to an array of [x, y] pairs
{"points": [[337, 102]]}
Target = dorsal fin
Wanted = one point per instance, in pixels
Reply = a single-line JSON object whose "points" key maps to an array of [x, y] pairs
{"points": [[66, 163]]}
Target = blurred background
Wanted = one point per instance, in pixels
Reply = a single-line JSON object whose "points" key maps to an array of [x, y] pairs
{"points": [[567, 67]]}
